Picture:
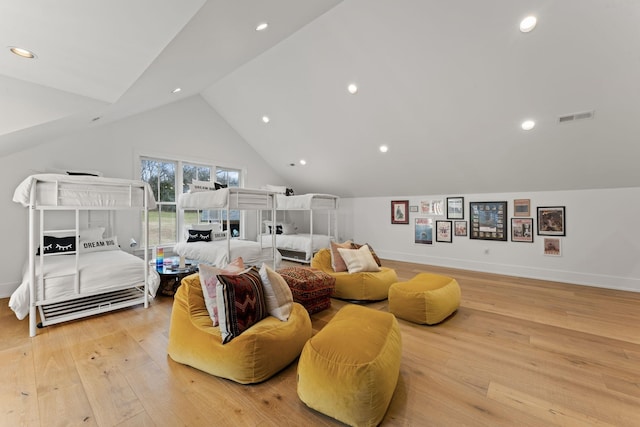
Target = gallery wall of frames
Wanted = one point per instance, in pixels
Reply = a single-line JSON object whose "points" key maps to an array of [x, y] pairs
{"points": [[448, 219]]}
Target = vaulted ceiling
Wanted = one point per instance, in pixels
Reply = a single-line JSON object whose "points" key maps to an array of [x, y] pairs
{"points": [[444, 84]]}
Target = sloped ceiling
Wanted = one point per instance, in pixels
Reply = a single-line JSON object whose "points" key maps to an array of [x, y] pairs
{"points": [[445, 84]]}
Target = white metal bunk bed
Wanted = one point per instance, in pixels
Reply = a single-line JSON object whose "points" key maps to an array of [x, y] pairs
{"points": [[301, 247], [219, 253], [80, 282]]}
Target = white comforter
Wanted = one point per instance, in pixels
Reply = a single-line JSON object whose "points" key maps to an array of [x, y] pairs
{"points": [[215, 252], [79, 190], [303, 201], [99, 272]]}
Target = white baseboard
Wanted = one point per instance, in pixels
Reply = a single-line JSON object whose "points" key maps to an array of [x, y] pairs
{"points": [[573, 277]]}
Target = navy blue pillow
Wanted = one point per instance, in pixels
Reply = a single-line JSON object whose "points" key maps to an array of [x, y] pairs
{"points": [[199, 236]]}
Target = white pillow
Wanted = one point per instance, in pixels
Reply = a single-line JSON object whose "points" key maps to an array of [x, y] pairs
{"points": [[276, 188], [97, 245], [277, 293], [288, 229], [359, 259]]}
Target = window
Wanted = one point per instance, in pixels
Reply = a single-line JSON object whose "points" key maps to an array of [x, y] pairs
{"points": [[166, 178]]}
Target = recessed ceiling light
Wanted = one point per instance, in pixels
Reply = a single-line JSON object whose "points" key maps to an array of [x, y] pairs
{"points": [[24, 53], [262, 26], [303, 162], [528, 24], [352, 88], [266, 119], [384, 148], [528, 124], [176, 90]]}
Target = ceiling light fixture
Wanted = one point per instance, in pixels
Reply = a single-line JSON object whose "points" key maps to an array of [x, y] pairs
{"points": [[528, 125], [266, 119], [352, 88], [528, 24], [23, 53], [384, 148], [262, 26], [303, 162], [176, 90]]}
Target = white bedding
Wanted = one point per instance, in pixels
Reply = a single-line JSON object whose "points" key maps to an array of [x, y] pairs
{"points": [[99, 272], [306, 201], [80, 190], [204, 199], [215, 253], [299, 242]]}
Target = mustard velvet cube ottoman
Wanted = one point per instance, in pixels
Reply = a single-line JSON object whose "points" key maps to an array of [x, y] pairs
{"points": [[426, 299], [254, 356], [349, 370]]}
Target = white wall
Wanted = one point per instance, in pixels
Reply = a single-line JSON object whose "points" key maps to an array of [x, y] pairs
{"points": [[601, 246], [189, 130]]}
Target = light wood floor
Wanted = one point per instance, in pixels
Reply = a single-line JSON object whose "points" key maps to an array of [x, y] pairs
{"points": [[518, 352]]}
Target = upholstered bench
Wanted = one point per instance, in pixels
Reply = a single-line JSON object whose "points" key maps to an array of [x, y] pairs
{"points": [[310, 287], [349, 370], [255, 355], [426, 299]]}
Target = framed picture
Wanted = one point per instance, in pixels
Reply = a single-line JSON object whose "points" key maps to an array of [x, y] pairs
{"points": [[424, 231], [488, 220], [552, 246], [460, 228], [455, 207], [522, 230], [400, 212], [432, 207], [551, 221], [413, 208], [444, 231], [521, 207]]}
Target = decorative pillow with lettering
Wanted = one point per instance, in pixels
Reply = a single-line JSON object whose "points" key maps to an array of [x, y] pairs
{"points": [[209, 280], [241, 302], [106, 244]]}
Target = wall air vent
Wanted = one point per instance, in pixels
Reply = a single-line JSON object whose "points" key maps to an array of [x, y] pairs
{"points": [[576, 116]]}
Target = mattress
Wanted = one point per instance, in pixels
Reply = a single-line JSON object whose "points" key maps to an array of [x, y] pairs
{"points": [[306, 201], [299, 242], [101, 271], [215, 252], [234, 198], [83, 191]]}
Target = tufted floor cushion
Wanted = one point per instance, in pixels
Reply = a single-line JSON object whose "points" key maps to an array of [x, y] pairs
{"points": [[426, 299], [363, 286], [349, 370], [253, 356], [310, 287]]}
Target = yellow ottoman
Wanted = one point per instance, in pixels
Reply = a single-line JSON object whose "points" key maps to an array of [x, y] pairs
{"points": [[426, 299], [350, 368], [253, 356]]}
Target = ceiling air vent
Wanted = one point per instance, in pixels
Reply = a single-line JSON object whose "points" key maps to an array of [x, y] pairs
{"points": [[576, 116]]}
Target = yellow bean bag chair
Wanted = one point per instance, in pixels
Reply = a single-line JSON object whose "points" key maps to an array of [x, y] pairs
{"points": [[426, 299], [362, 286], [254, 356], [349, 370]]}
